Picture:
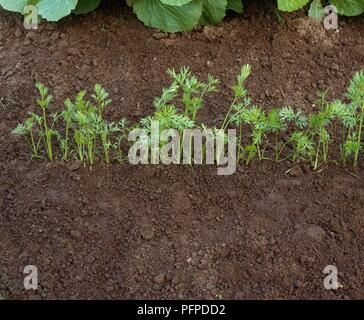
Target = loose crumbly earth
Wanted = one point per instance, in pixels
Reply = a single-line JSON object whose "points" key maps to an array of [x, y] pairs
{"points": [[127, 232]]}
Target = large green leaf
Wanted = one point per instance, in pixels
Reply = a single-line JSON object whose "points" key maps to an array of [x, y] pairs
{"points": [[54, 10], [349, 7], [167, 18], [213, 11], [316, 10], [176, 3], [291, 5], [235, 5], [86, 6], [14, 5]]}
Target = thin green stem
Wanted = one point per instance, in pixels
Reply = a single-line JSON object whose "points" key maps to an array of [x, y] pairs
{"points": [[47, 134], [65, 156], [35, 149], [280, 152], [317, 155], [227, 115], [240, 140], [356, 158]]}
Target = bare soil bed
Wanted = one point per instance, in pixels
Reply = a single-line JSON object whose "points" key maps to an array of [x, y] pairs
{"points": [[123, 231]]}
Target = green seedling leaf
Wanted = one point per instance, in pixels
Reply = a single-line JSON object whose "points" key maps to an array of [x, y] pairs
{"points": [[175, 3], [155, 13], [349, 7], [86, 6], [235, 5], [54, 10], [14, 5], [316, 10], [213, 11], [291, 5]]}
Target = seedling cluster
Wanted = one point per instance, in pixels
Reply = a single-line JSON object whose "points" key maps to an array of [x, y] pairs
{"points": [[85, 134], [81, 132]]}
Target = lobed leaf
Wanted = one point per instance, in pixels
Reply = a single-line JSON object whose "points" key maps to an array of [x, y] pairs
{"points": [[291, 5], [316, 10], [86, 6], [349, 7], [155, 13], [235, 5], [175, 2], [213, 11], [14, 5], [54, 10]]}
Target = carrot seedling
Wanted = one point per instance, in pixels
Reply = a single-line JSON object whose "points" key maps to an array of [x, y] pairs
{"points": [[354, 122], [27, 131], [45, 126], [193, 90], [46, 131]]}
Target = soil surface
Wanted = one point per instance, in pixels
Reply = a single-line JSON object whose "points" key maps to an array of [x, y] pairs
{"points": [[125, 231]]}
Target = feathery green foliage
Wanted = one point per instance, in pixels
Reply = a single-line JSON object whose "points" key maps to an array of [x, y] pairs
{"points": [[278, 134]]}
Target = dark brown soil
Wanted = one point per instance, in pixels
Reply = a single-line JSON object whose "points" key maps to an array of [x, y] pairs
{"points": [[174, 232]]}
